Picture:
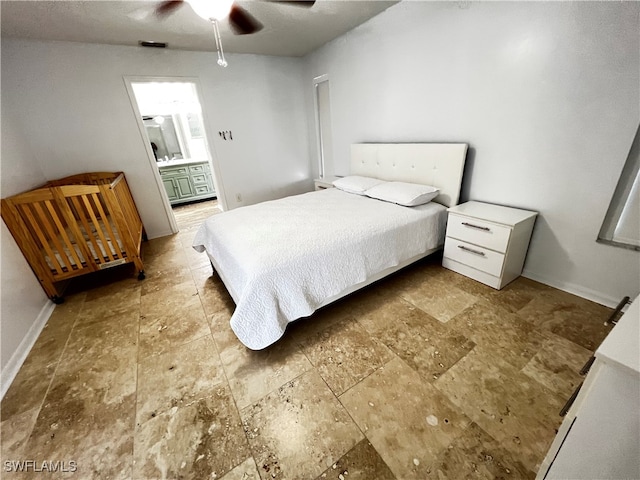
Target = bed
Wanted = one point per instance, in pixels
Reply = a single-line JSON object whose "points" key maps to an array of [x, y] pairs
{"points": [[282, 260], [76, 225]]}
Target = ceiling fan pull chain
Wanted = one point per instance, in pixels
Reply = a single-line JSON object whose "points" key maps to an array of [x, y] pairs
{"points": [[221, 60]]}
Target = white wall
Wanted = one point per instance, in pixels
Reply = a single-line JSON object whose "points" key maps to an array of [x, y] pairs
{"points": [[23, 305], [545, 93], [78, 116]]}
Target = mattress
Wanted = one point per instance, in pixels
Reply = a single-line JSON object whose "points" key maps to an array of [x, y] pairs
{"points": [[281, 260]]}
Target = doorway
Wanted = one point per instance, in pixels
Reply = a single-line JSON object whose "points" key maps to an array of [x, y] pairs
{"points": [[171, 121]]}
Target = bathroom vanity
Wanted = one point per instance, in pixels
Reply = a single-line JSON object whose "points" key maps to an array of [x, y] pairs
{"points": [[186, 180]]}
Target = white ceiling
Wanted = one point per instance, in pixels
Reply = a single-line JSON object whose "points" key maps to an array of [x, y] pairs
{"points": [[288, 30]]}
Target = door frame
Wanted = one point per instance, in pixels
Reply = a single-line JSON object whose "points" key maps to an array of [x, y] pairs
{"points": [[319, 134], [213, 159]]}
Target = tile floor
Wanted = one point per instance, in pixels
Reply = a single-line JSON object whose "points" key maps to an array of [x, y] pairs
{"points": [[426, 374]]}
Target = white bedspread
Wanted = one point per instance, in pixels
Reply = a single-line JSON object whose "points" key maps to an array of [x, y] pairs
{"points": [[280, 260]]}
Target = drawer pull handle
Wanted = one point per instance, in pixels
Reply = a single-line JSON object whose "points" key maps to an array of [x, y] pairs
{"points": [[486, 229], [471, 250], [572, 399]]}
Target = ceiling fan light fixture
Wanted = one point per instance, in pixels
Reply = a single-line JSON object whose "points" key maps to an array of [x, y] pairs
{"points": [[211, 9]]}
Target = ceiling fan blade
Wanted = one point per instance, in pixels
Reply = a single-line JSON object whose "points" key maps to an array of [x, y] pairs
{"points": [[168, 7], [296, 3], [242, 22]]}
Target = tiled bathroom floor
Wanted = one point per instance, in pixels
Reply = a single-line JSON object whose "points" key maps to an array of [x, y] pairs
{"points": [[426, 374]]}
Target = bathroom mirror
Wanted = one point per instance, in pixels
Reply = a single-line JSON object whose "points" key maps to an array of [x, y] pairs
{"points": [[164, 137]]}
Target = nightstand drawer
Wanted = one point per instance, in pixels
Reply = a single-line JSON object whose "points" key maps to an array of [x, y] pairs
{"points": [[478, 232], [474, 256]]}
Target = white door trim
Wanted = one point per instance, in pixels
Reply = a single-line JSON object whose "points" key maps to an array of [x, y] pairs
{"points": [[213, 161]]}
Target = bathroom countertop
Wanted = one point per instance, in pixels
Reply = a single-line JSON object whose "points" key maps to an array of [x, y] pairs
{"points": [[178, 161]]}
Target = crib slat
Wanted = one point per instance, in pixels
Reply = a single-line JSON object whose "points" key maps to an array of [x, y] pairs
{"points": [[26, 210], [85, 200], [119, 220], [112, 247], [80, 246], [70, 245], [54, 237], [82, 214]]}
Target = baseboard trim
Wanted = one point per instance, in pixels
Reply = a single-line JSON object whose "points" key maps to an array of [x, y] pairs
{"points": [[580, 291], [14, 364], [160, 234]]}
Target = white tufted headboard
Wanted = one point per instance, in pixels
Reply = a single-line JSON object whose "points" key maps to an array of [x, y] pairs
{"points": [[437, 164]]}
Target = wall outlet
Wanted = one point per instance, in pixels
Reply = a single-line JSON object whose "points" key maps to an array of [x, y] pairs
{"points": [[238, 197]]}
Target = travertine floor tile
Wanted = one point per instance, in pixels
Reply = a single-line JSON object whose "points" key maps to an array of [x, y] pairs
{"points": [[186, 236], [510, 406], [205, 278], [203, 439], [165, 276], [344, 354], [223, 335], [196, 259], [299, 430], [305, 329], [517, 294], [99, 363], [173, 257], [213, 294], [100, 309], [511, 338], [216, 299], [159, 246], [425, 344], [557, 365], [360, 463], [438, 298], [170, 299], [566, 315], [174, 328], [407, 420], [98, 438], [29, 387], [247, 470], [15, 432], [110, 285], [253, 374], [178, 377], [474, 454]]}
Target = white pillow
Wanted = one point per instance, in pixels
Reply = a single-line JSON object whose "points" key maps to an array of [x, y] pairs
{"points": [[356, 184], [407, 194]]}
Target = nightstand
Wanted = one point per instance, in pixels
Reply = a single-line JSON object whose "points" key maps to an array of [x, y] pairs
{"points": [[324, 183], [487, 242]]}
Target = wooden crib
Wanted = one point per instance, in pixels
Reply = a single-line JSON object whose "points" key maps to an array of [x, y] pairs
{"points": [[76, 225]]}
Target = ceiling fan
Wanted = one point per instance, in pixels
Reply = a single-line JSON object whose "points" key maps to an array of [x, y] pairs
{"points": [[240, 20]]}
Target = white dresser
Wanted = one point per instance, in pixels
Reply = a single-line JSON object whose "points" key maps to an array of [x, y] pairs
{"points": [[600, 435], [487, 242]]}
